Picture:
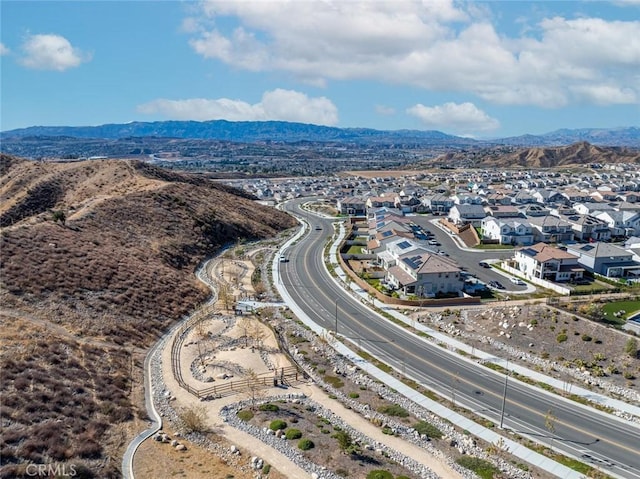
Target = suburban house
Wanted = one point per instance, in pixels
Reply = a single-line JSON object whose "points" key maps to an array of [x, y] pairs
{"points": [[352, 206], [503, 211], [588, 228], [463, 214], [549, 263], [621, 223], [509, 232], [606, 259], [551, 229], [423, 274], [437, 203]]}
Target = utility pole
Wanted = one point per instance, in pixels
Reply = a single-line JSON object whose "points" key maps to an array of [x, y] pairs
{"points": [[504, 394]]}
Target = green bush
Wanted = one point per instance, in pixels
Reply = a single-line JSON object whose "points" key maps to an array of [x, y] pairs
{"points": [[305, 444], [269, 407], [266, 469], [423, 427], [482, 468], [335, 381], [379, 474], [561, 338], [393, 410], [388, 431], [586, 337], [354, 395], [293, 434], [245, 415], [277, 424]]}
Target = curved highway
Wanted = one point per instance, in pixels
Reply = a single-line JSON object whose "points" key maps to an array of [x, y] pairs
{"points": [[598, 439]]}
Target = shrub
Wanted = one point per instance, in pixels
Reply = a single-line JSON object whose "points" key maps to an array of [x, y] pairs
{"points": [[379, 474], [293, 434], [423, 427], [354, 395], [393, 410], [561, 338], [482, 468], [245, 415], [586, 337], [388, 431], [305, 444], [194, 418], [277, 424], [335, 381], [269, 407], [266, 469]]}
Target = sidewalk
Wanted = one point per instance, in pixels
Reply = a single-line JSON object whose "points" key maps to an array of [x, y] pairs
{"points": [[475, 429]]}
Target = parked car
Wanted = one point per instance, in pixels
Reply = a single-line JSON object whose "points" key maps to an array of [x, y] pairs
{"points": [[318, 228], [484, 264], [434, 243]]}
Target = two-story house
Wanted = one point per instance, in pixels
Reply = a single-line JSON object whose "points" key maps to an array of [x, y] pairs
{"points": [[425, 275], [509, 232], [551, 229], [467, 214], [606, 259], [549, 263]]}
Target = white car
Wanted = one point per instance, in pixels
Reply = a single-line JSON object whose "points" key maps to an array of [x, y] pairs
{"points": [[517, 281]]}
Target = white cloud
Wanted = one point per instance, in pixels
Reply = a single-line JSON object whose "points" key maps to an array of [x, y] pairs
{"points": [[606, 94], [435, 45], [463, 118], [278, 104], [385, 110], [51, 52], [4, 50]]}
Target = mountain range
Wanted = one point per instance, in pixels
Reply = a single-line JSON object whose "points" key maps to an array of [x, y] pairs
{"points": [[289, 132]]}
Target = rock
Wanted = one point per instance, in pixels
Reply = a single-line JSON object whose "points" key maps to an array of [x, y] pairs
{"points": [[233, 448], [174, 443], [181, 447], [157, 437], [314, 475]]}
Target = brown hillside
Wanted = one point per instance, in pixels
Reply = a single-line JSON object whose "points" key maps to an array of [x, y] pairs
{"points": [[581, 153], [82, 294]]}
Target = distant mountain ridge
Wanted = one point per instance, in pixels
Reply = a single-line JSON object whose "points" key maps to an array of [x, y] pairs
{"points": [[241, 131], [291, 132]]}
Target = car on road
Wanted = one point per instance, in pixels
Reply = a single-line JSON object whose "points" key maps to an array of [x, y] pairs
{"points": [[318, 228], [434, 243], [496, 285], [517, 281], [484, 264], [283, 258]]}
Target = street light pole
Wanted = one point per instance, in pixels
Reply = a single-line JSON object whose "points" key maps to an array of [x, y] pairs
{"points": [[504, 395]]}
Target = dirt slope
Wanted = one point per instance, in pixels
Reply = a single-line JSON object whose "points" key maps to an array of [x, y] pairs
{"points": [[84, 294]]}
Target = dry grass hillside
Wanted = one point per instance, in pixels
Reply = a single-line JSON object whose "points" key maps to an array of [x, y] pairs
{"points": [[577, 154], [97, 259]]}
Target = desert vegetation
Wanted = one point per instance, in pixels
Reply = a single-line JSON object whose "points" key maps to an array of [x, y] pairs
{"points": [[97, 260]]}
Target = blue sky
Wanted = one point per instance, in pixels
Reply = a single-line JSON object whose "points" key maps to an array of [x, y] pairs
{"points": [[482, 69]]}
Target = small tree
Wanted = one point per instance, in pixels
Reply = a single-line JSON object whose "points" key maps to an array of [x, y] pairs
{"points": [[255, 389], [631, 347], [59, 216], [194, 418]]}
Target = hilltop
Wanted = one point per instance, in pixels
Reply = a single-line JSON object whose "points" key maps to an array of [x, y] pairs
{"points": [[97, 260], [577, 154]]}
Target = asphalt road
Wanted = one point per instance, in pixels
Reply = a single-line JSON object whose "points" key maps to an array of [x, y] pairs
{"points": [[598, 439]]}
